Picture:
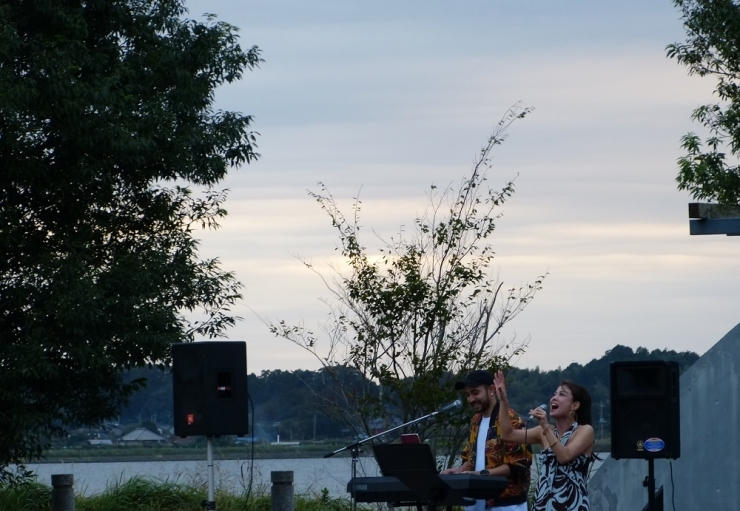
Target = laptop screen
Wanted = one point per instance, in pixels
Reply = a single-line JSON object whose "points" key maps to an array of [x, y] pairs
{"points": [[392, 458]]}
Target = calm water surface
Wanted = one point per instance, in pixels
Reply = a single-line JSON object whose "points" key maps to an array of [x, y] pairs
{"points": [[311, 475]]}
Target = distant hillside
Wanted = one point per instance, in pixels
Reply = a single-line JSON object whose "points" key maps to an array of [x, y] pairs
{"points": [[284, 401], [528, 388]]}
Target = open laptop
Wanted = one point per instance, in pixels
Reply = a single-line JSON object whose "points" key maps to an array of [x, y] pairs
{"points": [[410, 438], [415, 466], [394, 458]]}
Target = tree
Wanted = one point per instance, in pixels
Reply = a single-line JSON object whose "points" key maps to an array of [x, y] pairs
{"points": [[105, 117], [529, 386], [426, 309], [712, 48], [286, 404], [156, 399]]}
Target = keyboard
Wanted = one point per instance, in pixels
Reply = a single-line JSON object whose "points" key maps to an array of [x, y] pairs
{"points": [[454, 490]]}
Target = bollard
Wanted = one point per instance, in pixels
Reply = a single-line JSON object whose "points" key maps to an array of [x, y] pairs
{"points": [[62, 492], [282, 490]]}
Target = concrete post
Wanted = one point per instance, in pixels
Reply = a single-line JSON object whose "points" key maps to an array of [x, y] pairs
{"points": [[282, 490], [62, 492]]}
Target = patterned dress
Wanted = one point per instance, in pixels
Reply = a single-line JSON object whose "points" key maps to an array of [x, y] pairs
{"points": [[562, 487]]}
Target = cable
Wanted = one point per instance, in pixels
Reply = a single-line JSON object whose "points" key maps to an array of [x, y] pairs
{"points": [[250, 403], [673, 486]]}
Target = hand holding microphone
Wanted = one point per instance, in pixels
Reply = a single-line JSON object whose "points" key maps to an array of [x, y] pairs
{"points": [[532, 413]]}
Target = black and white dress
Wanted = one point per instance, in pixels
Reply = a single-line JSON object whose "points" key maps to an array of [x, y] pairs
{"points": [[562, 487]]}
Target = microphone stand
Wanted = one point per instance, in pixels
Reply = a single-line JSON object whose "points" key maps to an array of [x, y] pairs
{"points": [[354, 448]]}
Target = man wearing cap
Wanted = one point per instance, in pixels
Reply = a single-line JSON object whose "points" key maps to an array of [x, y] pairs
{"points": [[486, 453]]}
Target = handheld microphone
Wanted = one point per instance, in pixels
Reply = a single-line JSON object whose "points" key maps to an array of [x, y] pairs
{"points": [[543, 406], [455, 404]]}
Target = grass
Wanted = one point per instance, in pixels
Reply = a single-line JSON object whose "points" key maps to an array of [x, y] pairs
{"points": [[142, 494], [27, 497]]}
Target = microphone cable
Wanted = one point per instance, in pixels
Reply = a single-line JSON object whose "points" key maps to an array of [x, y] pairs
{"points": [[673, 486], [250, 404]]}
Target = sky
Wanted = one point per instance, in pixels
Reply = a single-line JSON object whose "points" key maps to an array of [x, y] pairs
{"points": [[385, 98]]}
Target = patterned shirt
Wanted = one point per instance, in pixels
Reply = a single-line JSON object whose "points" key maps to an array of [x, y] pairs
{"points": [[562, 487], [499, 452]]}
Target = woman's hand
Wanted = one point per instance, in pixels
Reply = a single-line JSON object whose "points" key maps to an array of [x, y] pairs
{"points": [[540, 415], [499, 383]]}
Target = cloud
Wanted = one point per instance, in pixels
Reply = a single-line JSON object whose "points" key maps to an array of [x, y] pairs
{"points": [[386, 98]]}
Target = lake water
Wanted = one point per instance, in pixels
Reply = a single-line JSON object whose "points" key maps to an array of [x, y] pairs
{"points": [[311, 475]]}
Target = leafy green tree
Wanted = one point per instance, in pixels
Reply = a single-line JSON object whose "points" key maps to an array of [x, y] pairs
{"points": [[427, 309], [287, 402], [156, 399], [709, 170], [106, 117]]}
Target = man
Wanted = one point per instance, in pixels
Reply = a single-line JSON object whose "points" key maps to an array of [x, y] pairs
{"points": [[486, 453]]}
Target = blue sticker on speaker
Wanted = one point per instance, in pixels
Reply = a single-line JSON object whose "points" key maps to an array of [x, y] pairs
{"points": [[654, 445]]}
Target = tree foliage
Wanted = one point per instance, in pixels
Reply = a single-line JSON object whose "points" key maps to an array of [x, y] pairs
{"points": [[296, 414], [105, 117], [709, 170], [528, 387], [281, 412], [423, 310]]}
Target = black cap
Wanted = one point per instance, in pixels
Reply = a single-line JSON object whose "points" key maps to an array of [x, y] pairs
{"points": [[475, 379]]}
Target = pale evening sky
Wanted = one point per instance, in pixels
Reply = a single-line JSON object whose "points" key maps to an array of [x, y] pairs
{"points": [[392, 96]]}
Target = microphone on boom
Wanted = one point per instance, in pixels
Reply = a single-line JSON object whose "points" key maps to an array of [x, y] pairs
{"points": [[452, 406], [543, 406]]}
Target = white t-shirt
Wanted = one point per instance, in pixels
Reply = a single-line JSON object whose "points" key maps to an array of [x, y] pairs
{"points": [[480, 464], [480, 444]]}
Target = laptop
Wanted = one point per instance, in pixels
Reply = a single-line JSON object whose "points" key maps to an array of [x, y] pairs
{"points": [[415, 466], [395, 458]]}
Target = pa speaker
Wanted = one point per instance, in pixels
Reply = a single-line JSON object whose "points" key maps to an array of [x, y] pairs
{"points": [[210, 388], [645, 410]]}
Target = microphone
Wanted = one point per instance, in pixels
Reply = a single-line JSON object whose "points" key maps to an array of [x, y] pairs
{"points": [[455, 404], [543, 406]]}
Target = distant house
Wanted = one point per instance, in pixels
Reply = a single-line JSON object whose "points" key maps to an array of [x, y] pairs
{"points": [[100, 441], [141, 436]]}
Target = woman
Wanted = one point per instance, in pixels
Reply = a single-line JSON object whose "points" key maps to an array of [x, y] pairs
{"points": [[567, 447]]}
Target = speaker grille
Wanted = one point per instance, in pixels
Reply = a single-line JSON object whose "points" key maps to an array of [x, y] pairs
{"points": [[645, 410], [647, 381], [210, 388]]}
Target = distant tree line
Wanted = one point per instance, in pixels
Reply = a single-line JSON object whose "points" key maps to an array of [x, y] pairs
{"points": [[531, 387], [290, 403]]}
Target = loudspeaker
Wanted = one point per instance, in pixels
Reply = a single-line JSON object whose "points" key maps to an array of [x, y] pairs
{"points": [[645, 410], [209, 383]]}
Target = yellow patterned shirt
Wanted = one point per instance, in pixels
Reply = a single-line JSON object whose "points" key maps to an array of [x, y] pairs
{"points": [[500, 452]]}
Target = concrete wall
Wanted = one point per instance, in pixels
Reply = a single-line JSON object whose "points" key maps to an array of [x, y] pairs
{"points": [[707, 475]]}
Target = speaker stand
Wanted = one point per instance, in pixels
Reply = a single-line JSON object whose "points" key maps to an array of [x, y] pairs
{"points": [[209, 504], [649, 482]]}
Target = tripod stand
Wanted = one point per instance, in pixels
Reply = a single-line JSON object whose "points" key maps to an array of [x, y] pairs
{"points": [[209, 504]]}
